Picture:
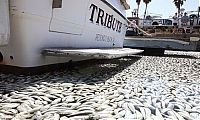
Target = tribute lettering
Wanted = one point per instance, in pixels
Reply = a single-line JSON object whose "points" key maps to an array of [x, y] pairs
{"points": [[110, 19], [114, 24], [117, 24], [100, 16], [93, 7], [120, 26], [104, 19]]}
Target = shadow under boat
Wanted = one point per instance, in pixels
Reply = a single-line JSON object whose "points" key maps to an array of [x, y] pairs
{"points": [[84, 72], [101, 53]]}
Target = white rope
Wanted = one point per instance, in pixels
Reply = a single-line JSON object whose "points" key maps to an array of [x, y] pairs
{"points": [[145, 33]]}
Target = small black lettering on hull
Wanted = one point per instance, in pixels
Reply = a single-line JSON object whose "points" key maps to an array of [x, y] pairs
{"points": [[104, 38]]}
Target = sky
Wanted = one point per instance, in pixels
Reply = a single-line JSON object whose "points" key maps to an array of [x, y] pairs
{"points": [[165, 8]]}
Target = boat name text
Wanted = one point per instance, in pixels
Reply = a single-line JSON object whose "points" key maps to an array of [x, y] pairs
{"points": [[99, 16]]}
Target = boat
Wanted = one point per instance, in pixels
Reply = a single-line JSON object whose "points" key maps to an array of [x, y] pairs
{"points": [[30, 28]]}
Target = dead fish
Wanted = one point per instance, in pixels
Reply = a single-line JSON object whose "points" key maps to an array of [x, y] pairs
{"points": [[125, 106], [116, 111], [193, 103], [179, 106], [143, 112], [23, 107], [185, 115], [120, 98], [109, 108], [30, 88], [178, 116], [81, 113], [46, 99], [81, 117], [50, 96], [147, 112], [38, 102], [24, 115], [37, 116], [67, 84], [44, 108], [59, 95], [195, 115], [7, 112], [51, 116], [132, 101], [163, 104], [68, 93], [18, 96], [56, 101], [103, 107], [159, 115], [188, 107], [9, 100], [14, 111], [6, 117], [68, 99], [66, 112], [84, 99], [86, 108], [9, 105], [113, 98], [121, 114], [106, 102], [197, 108], [171, 114], [55, 91], [114, 105], [120, 103], [154, 101], [130, 115], [154, 117], [138, 102], [90, 103], [139, 115], [29, 102], [36, 97], [73, 105], [65, 118], [170, 106], [35, 109]]}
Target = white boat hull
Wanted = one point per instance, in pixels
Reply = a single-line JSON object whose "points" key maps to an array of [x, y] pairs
{"points": [[34, 25], [4, 23]]}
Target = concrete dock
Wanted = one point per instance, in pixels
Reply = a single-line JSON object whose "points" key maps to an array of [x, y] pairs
{"points": [[167, 44]]}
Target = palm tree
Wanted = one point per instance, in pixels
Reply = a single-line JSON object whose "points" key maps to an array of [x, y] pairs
{"points": [[178, 4], [146, 2], [138, 3]]}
